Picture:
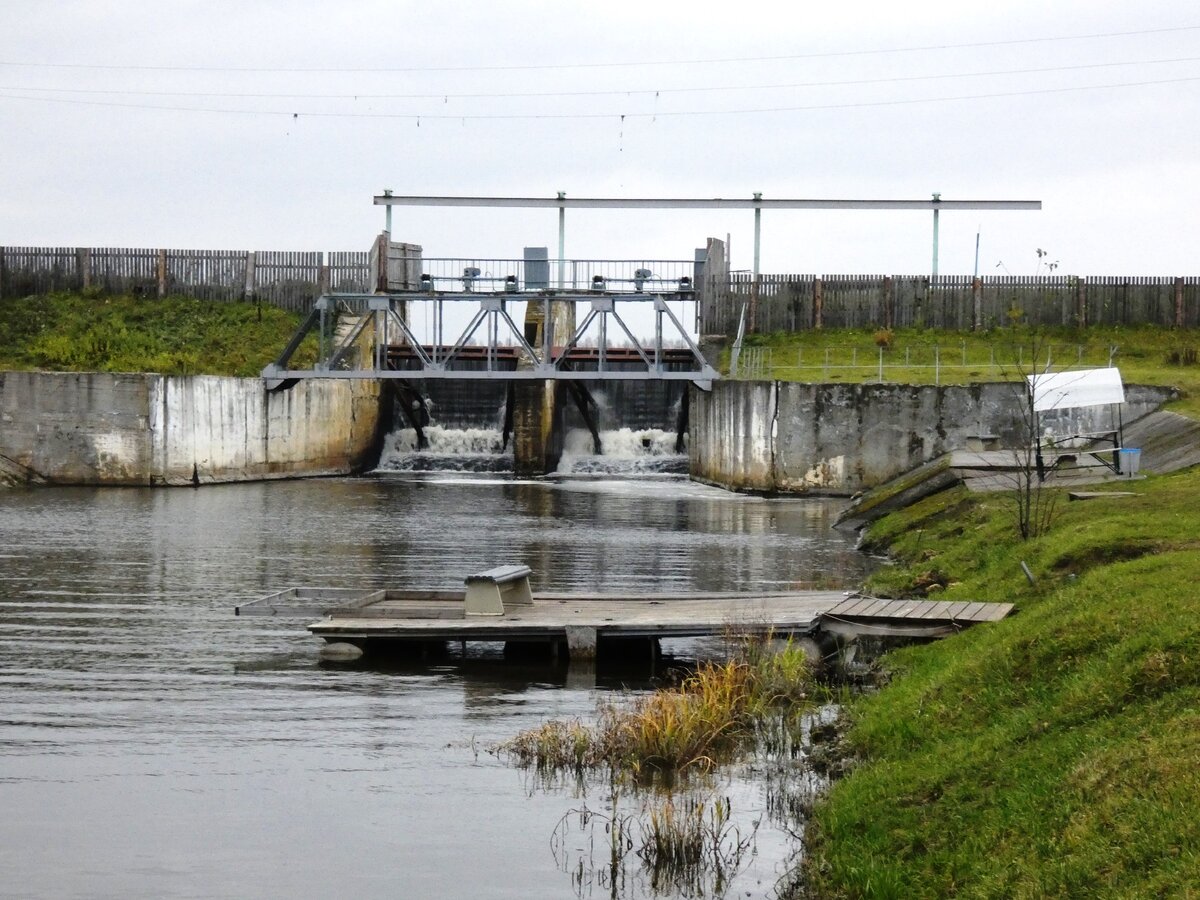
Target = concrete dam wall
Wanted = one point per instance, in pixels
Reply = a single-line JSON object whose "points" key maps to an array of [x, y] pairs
{"points": [[144, 429], [842, 438]]}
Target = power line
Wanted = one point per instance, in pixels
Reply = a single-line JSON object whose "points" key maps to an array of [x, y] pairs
{"points": [[597, 65], [599, 93], [622, 116]]}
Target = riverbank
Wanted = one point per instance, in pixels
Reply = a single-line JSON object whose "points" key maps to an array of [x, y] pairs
{"points": [[1146, 355], [95, 332], [1051, 754]]}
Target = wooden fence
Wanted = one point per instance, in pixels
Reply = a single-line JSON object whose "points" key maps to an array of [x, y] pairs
{"points": [[285, 278], [292, 279], [799, 302]]}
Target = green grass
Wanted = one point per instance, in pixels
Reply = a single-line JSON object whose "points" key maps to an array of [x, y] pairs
{"points": [[1145, 355], [172, 336], [1056, 753]]}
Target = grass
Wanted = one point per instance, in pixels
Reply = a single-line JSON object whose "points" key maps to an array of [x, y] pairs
{"points": [[1145, 355], [172, 336], [1056, 753]]}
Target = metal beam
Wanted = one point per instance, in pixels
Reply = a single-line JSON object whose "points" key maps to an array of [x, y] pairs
{"points": [[540, 373], [491, 311], [700, 203]]}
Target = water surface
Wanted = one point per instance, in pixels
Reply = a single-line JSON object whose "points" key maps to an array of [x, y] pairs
{"points": [[153, 745]]}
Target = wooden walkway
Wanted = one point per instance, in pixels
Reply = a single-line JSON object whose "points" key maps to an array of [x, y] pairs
{"points": [[908, 618], [553, 617], [580, 620]]}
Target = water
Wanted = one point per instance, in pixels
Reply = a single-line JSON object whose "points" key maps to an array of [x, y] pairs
{"points": [[153, 745]]}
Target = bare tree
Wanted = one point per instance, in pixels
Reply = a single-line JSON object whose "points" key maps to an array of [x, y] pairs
{"points": [[1034, 504]]}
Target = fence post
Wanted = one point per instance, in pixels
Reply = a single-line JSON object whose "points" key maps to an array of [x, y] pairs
{"points": [[323, 277], [751, 324], [2, 272], [249, 287], [162, 273], [889, 304], [818, 298], [1178, 302], [976, 303], [1081, 315], [84, 257]]}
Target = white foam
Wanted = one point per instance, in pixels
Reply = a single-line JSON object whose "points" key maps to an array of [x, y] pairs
{"points": [[627, 451], [449, 450]]}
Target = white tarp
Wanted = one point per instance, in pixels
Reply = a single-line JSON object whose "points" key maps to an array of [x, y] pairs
{"points": [[1067, 390]]}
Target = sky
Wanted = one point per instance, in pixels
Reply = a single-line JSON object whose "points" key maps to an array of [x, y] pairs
{"points": [[258, 126]]}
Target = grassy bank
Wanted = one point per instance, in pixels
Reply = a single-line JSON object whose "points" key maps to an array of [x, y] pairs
{"points": [[1054, 754], [173, 336], [1145, 355]]}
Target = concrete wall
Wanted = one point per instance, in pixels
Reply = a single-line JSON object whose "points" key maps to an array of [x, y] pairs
{"points": [[100, 428], [843, 438]]}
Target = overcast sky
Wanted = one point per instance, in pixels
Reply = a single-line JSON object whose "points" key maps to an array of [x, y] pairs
{"points": [[207, 125]]}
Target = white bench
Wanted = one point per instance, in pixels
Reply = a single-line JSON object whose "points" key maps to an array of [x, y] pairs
{"points": [[490, 592]]}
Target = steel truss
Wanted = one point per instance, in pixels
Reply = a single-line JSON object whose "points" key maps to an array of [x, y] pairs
{"points": [[383, 317]]}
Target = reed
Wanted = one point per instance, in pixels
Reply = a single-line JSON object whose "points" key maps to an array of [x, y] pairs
{"points": [[678, 846], [690, 844], [706, 719]]}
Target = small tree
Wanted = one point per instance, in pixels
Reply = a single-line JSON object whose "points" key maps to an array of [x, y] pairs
{"points": [[1034, 505]]}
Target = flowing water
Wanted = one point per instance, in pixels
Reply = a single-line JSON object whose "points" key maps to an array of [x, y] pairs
{"points": [[153, 745]]}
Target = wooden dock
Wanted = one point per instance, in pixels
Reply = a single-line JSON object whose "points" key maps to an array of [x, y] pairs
{"points": [[565, 617], [908, 618], [580, 621]]}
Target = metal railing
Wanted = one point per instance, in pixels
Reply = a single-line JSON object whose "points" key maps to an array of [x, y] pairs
{"points": [[519, 275], [923, 362]]}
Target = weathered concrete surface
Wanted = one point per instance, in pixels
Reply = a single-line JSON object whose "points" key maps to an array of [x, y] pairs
{"points": [[731, 439], [145, 429], [537, 427], [13, 475], [843, 438], [1168, 441]]}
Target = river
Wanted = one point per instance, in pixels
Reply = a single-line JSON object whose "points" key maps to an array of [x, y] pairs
{"points": [[153, 745]]}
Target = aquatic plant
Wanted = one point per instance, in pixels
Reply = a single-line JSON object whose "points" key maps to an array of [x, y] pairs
{"points": [[686, 846], [705, 719]]}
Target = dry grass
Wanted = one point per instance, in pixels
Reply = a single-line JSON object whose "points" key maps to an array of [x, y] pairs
{"points": [[704, 720]]}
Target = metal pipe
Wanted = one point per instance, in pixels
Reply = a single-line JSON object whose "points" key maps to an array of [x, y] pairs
{"points": [[699, 203], [757, 230], [562, 236], [936, 199]]}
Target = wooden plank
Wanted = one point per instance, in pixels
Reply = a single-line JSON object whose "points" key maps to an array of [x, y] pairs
{"points": [[846, 607], [953, 610], [853, 605], [994, 612], [937, 610], [971, 612]]}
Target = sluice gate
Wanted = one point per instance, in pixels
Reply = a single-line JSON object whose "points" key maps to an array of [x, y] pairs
{"points": [[551, 358]]}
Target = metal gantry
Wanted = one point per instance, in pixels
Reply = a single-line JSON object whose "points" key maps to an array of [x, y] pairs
{"points": [[372, 336]]}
